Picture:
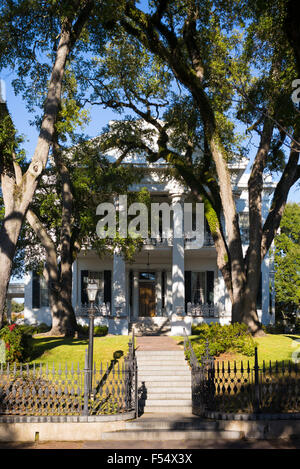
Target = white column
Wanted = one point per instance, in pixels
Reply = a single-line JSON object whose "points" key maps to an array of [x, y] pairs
{"points": [[75, 284], [158, 294], [118, 285], [168, 292], [135, 295], [177, 257]]}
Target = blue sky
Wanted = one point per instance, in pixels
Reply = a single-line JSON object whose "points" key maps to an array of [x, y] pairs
{"points": [[99, 118]]}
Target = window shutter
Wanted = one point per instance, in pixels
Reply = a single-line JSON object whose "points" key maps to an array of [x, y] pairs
{"points": [[84, 278], [187, 287], [163, 289], [107, 286], [210, 275], [35, 290]]}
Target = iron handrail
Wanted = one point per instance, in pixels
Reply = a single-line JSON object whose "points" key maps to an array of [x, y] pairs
{"points": [[188, 345]]}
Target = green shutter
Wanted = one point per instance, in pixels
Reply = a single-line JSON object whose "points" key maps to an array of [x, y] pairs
{"points": [[84, 277], [107, 286], [187, 287], [210, 276], [35, 290]]}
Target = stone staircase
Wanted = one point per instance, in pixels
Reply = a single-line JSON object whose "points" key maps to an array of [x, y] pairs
{"points": [[173, 427], [164, 381]]}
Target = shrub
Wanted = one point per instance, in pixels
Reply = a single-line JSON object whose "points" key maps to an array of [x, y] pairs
{"points": [[99, 331], [17, 343], [277, 328], [229, 338]]}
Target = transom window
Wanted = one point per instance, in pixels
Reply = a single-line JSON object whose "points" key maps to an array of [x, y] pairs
{"points": [[147, 276]]}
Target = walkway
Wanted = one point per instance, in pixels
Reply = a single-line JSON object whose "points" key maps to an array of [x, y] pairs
{"points": [[156, 343], [127, 445]]}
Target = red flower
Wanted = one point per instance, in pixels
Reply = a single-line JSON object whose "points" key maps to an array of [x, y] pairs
{"points": [[7, 345], [11, 327]]}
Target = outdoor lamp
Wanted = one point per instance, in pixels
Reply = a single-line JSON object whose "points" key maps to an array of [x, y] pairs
{"points": [[92, 290]]}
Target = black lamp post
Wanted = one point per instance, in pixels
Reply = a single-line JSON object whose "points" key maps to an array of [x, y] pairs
{"points": [[92, 290]]}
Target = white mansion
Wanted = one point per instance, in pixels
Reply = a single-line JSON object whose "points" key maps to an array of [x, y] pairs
{"points": [[170, 284]]}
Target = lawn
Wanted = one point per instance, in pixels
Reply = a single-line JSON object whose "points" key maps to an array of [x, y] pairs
{"points": [[63, 351], [60, 350], [271, 347]]}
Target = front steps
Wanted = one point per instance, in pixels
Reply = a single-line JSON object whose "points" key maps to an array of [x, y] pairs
{"points": [[172, 427], [164, 382]]}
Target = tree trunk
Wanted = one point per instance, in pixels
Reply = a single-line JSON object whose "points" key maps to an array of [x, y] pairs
{"points": [[25, 188], [60, 293], [23, 191], [9, 233]]}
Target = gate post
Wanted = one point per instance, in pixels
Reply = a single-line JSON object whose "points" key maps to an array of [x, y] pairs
{"points": [[256, 384], [86, 373]]}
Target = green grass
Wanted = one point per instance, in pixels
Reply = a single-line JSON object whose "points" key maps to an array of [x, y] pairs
{"points": [[279, 347], [64, 350], [269, 348]]}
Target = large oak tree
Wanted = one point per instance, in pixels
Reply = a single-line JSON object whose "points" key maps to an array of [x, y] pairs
{"points": [[196, 40]]}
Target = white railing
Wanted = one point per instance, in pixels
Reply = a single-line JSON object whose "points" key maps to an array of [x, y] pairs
{"points": [[202, 310], [168, 242]]}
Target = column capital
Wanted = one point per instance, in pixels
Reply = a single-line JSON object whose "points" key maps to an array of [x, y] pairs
{"points": [[177, 197]]}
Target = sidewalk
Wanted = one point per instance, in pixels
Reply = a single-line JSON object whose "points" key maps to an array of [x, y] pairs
{"points": [[156, 445]]}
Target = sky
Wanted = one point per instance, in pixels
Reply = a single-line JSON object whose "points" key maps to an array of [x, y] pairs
{"points": [[99, 118]]}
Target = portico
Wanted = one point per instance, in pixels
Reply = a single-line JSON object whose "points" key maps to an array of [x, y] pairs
{"points": [[168, 276]]}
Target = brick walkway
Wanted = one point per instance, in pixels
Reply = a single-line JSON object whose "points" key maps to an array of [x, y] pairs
{"points": [[156, 343]]}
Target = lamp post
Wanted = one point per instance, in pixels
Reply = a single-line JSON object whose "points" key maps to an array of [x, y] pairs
{"points": [[92, 290]]}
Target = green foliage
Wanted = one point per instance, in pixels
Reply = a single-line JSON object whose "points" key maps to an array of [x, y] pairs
{"points": [[17, 343], [287, 263], [228, 338], [99, 331]]}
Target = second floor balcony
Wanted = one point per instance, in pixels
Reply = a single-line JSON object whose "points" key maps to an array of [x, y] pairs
{"points": [[168, 242]]}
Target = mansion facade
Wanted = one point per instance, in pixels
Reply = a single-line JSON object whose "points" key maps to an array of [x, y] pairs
{"points": [[170, 284]]}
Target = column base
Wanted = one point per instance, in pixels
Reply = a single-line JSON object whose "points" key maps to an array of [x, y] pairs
{"points": [[178, 323]]}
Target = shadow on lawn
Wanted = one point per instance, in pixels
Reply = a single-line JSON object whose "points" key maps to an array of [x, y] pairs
{"points": [[45, 344]]}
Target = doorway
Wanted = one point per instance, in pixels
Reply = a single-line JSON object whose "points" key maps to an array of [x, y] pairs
{"points": [[146, 299]]}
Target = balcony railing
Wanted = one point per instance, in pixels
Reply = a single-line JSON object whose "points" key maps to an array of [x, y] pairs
{"points": [[202, 310], [168, 242]]}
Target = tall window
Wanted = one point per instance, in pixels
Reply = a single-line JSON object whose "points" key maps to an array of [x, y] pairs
{"points": [[40, 293], [244, 226], [202, 287]]}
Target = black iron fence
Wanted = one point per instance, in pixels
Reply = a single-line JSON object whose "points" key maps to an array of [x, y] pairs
{"points": [[238, 387], [43, 390]]}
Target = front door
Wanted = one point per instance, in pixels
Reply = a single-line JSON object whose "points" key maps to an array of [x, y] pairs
{"points": [[147, 299]]}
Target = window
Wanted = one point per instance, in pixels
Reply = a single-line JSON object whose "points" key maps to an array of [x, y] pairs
{"points": [[40, 293], [44, 293], [244, 226], [198, 287], [147, 276], [202, 287]]}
